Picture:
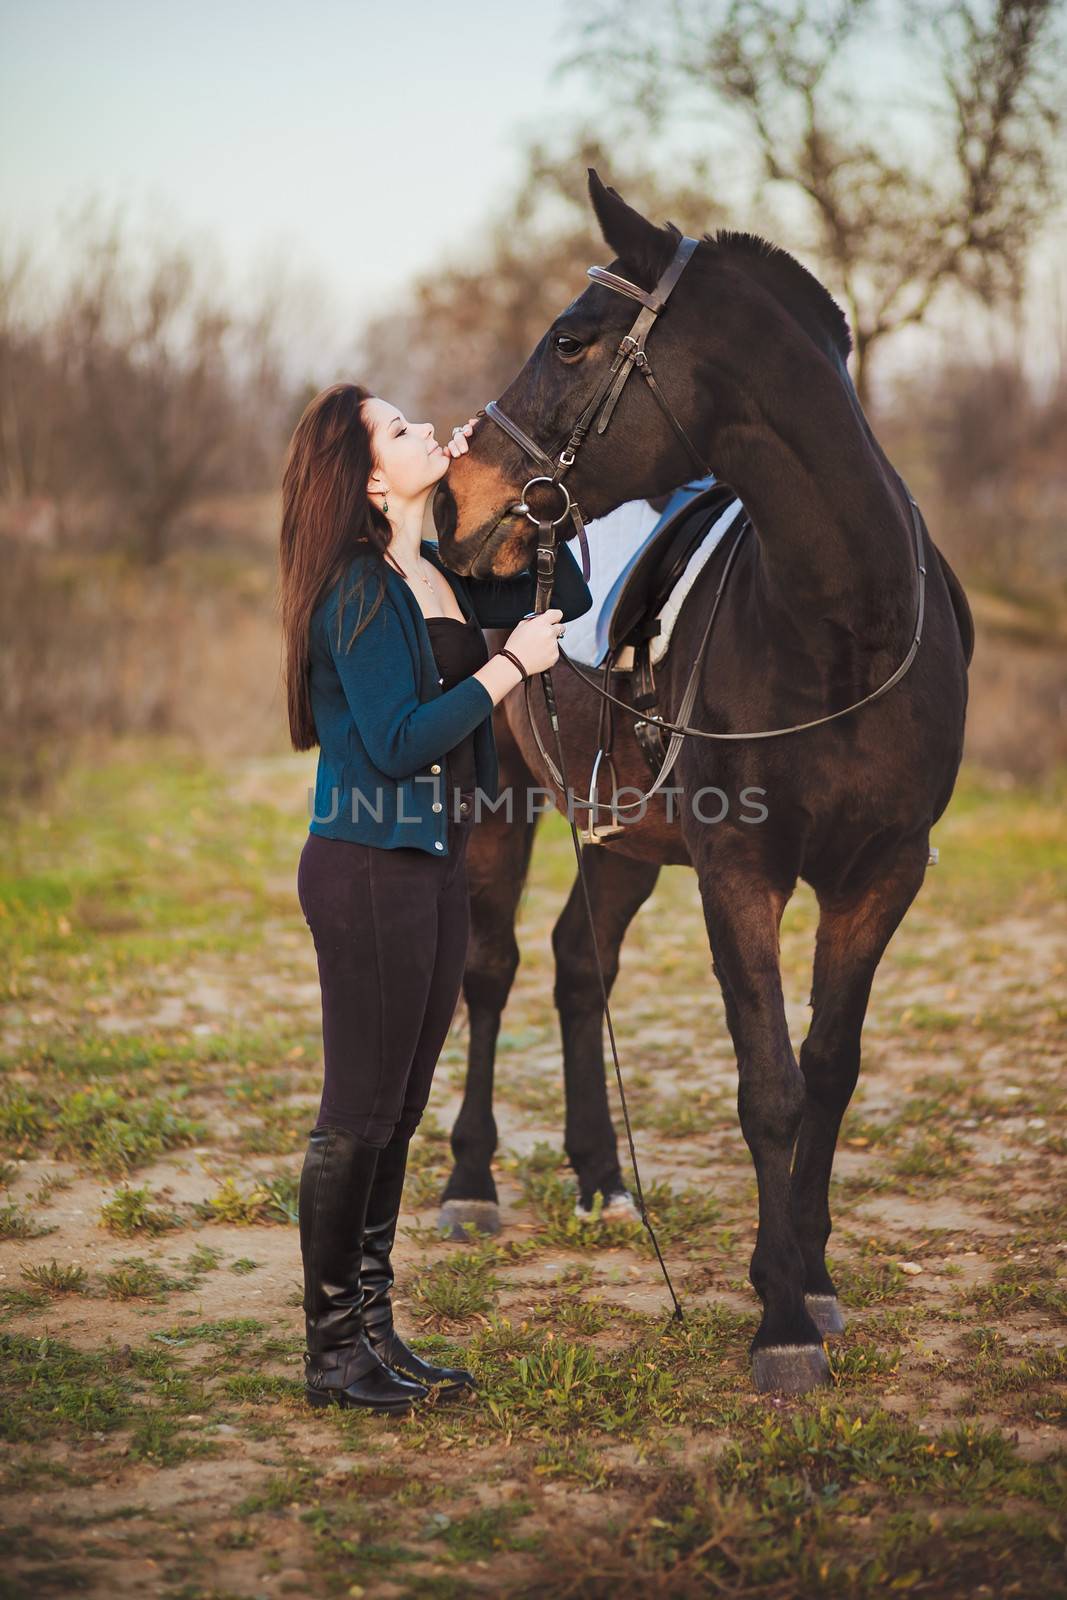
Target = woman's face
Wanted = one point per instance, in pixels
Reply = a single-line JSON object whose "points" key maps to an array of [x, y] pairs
{"points": [[407, 456]]}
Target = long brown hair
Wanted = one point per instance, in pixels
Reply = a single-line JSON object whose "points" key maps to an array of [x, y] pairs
{"points": [[327, 518]]}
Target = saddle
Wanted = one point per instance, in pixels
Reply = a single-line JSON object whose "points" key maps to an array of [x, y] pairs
{"points": [[634, 622]]}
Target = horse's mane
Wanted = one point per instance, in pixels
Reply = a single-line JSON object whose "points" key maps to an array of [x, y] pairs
{"points": [[798, 289]]}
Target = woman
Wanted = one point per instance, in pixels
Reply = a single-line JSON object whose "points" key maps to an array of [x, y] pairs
{"points": [[388, 673]]}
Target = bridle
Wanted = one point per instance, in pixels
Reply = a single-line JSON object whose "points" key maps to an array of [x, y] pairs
{"points": [[629, 355]]}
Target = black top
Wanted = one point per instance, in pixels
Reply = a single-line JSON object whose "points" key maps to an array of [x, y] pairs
{"points": [[459, 650]]}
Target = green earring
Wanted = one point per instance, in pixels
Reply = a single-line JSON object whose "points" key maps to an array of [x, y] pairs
{"points": [[385, 505]]}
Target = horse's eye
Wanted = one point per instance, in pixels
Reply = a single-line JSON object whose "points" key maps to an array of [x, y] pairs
{"points": [[568, 346]]}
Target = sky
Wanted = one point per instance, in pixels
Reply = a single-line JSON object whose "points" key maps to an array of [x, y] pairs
{"points": [[357, 138], [349, 143]]}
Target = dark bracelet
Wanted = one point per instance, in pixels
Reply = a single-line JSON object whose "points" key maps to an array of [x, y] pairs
{"points": [[512, 657]]}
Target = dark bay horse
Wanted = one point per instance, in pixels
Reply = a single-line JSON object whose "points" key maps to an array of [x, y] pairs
{"points": [[820, 608]]}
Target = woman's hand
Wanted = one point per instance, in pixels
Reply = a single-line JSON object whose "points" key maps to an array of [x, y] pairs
{"points": [[457, 445], [535, 640]]}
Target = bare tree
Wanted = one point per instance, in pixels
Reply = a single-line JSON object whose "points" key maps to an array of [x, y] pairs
{"points": [[137, 386], [992, 443], [146, 355], [31, 406], [466, 329], [895, 209]]}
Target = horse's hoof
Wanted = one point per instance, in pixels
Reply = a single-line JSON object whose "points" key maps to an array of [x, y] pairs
{"points": [[789, 1368], [617, 1207], [825, 1311], [457, 1215]]}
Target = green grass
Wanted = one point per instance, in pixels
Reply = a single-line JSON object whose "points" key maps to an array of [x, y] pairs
{"points": [[202, 1260], [276, 1130], [24, 1119], [54, 1278], [679, 1120], [231, 1333], [16, 1224], [1021, 1287], [485, 1532], [272, 1200], [663, 1473], [260, 1388], [137, 1279], [573, 1315], [1002, 849], [56, 1055], [936, 1155], [160, 1440], [130, 1211], [150, 851], [682, 1218], [459, 1287], [1030, 1375], [870, 1280], [788, 1512], [107, 1131], [49, 1386], [560, 1387]]}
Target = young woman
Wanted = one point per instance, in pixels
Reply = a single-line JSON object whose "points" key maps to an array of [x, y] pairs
{"points": [[388, 674]]}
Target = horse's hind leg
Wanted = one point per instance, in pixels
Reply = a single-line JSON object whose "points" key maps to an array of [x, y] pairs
{"points": [[853, 933], [618, 887], [498, 859]]}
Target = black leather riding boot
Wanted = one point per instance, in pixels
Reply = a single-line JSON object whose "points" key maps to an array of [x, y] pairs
{"points": [[383, 1210], [340, 1365]]}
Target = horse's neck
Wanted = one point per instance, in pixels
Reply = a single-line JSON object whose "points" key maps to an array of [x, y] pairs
{"points": [[833, 543]]}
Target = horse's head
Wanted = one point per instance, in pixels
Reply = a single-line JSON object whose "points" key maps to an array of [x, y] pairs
{"points": [[737, 296], [637, 455]]}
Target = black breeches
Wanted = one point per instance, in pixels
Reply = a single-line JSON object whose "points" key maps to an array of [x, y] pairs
{"points": [[390, 930]]}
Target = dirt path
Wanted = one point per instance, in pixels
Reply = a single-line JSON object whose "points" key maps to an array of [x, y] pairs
{"points": [[161, 1058]]}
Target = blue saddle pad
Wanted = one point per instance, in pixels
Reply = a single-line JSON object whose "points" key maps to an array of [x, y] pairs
{"points": [[616, 544]]}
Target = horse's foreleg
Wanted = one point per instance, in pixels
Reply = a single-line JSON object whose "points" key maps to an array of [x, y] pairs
{"points": [[618, 887], [498, 859], [853, 933], [742, 915]]}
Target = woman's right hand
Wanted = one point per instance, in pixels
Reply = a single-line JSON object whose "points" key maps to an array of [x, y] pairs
{"points": [[535, 640]]}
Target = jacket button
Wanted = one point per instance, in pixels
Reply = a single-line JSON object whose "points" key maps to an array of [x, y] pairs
{"points": [[436, 767], [436, 806], [438, 845]]}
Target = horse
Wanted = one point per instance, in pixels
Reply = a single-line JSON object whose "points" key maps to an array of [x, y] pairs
{"points": [[839, 618]]}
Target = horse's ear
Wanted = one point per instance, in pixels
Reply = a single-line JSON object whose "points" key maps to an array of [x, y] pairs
{"points": [[642, 247]]}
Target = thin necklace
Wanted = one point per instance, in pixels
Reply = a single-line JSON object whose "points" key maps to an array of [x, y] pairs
{"points": [[433, 590], [421, 579], [431, 586]]}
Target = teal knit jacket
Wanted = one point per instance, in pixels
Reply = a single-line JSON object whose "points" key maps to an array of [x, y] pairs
{"points": [[384, 723]]}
